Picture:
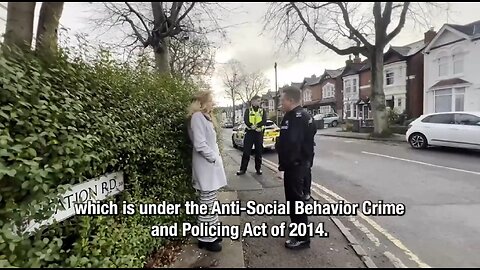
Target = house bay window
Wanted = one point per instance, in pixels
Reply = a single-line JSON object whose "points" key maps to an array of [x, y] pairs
{"points": [[443, 66], [457, 61], [449, 100], [350, 85], [328, 91], [354, 85], [348, 111], [307, 95], [390, 77]]}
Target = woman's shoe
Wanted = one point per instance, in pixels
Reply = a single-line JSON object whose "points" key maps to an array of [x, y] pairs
{"points": [[210, 246]]}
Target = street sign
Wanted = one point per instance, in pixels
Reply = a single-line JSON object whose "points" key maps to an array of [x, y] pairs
{"points": [[97, 189]]}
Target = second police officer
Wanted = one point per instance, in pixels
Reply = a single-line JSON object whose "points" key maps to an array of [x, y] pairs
{"points": [[295, 153]]}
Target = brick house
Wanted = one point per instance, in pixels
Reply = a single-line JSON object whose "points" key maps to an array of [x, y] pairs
{"points": [[311, 94], [364, 107], [350, 79], [403, 76], [330, 85], [402, 81]]}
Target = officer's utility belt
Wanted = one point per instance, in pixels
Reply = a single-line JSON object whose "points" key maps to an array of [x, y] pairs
{"points": [[257, 129]]}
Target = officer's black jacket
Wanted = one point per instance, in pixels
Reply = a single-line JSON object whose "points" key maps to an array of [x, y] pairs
{"points": [[295, 145]]}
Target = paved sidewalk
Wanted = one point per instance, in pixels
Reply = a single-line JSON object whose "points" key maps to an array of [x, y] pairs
{"points": [[337, 132], [332, 252]]}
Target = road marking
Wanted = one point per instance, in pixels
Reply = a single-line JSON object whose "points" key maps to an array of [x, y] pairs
{"points": [[364, 229], [379, 228], [355, 222], [421, 163], [396, 262]]}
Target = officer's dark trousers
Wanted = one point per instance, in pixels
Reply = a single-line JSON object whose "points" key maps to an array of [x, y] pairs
{"points": [[307, 180], [293, 183], [251, 138]]}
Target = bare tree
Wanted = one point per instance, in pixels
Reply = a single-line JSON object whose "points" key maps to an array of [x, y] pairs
{"points": [[252, 84], [348, 28], [19, 28], [192, 58], [47, 29], [154, 24], [232, 80]]}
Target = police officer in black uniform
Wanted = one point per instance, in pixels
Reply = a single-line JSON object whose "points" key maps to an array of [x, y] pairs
{"points": [[295, 152], [255, 118], [307, 181]]}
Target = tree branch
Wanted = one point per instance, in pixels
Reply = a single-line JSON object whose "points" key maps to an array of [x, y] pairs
{"points": [[186, 12], [139, 17], [387, 15], [349, 25], [347, 51], [401, 23], [134, 28]]}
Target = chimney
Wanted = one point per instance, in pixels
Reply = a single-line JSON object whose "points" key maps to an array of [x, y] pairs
{"points": [[349, 61], [357, 59], [429, 36]]}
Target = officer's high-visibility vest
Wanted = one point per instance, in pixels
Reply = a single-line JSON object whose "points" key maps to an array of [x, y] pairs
{"points": [[255, 117]]}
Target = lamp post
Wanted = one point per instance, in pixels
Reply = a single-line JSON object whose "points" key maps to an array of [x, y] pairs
{"points": [[276, 93]]}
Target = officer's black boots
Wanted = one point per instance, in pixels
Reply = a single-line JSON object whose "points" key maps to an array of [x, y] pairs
{"points": [[296, 244], [259, 172], [210, 246], [240, 172], [307, 197]]}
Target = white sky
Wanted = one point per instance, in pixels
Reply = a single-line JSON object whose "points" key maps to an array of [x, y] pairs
{"points": [[258, 52]]}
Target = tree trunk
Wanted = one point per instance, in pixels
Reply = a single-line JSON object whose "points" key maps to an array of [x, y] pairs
{"points": [[380, 120], [162, 58], [19, 28], [47, 29]]}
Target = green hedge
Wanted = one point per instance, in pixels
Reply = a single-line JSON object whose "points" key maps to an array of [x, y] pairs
{"points": [[70, 121]]}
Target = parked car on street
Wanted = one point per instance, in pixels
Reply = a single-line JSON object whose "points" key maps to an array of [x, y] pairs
{"points": [[272, 132], [329, 118], [228, 124], [452, 129]]}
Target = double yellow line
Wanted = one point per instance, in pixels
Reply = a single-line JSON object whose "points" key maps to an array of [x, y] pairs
{"points": [[331, 196]]}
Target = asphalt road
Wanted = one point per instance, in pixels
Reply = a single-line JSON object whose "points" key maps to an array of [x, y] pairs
{"points": [[439, 187]]}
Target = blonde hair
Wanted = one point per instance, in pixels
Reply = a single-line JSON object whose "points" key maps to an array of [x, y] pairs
{"points": [[200, 103]]}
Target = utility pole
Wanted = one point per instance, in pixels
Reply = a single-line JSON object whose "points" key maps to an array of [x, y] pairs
{"points": [[276, 94]]}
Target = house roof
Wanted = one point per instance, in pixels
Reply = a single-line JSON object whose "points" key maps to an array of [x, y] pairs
{"points": [[311, 80], [333, 73], [471, 29], [410, 49], [467, 31], [299, 85], [268, 95], [355, 68], [450, 82]]}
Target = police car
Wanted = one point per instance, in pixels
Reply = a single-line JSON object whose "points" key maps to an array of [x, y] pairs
{"points": [[272, 131]]}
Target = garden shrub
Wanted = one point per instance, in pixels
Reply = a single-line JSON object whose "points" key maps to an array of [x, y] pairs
{"points": [[67, 122]]}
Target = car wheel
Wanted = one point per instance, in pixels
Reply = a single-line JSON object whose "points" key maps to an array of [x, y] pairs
{"points": [[334, 123], [418, 141]]}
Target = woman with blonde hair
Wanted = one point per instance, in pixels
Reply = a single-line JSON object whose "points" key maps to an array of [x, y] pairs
{"points": [[208, 174]]}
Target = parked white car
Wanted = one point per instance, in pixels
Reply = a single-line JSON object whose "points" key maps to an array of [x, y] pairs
{"points": [[453, 129], [330, 118], [272, 132]]}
